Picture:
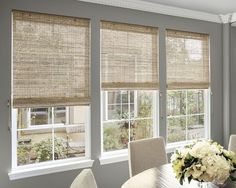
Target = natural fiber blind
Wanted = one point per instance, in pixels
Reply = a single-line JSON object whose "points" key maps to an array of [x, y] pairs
{"points": [[128, 56], [51, 65], [187, 60]]}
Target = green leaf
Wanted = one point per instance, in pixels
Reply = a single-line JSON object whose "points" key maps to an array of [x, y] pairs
{"points": [[232, 178], [189, 179], [181, 180]]}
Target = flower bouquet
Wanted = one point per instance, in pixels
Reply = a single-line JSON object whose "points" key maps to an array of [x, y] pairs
{"points": [[204, 161]]}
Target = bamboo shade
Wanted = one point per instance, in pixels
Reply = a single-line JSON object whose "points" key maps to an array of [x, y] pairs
{"points": [[129, 56], [187, 60], [51, 65]]}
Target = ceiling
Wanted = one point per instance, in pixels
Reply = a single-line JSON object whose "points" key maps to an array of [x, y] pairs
{"points": [[220, 11], [209, 6]]}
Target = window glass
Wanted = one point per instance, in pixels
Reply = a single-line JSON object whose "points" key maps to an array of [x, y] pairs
{"points": [[128, 118], [61, 138], [186, 114]]}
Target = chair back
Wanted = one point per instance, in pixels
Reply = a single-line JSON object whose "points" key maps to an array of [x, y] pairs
{"points": [[84, 180], [145, 154], [232, 143]]}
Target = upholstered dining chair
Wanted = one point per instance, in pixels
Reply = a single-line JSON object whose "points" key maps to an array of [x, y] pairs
{"points": [[145, 154], [84, 180], [147, 179], [232, 143]]}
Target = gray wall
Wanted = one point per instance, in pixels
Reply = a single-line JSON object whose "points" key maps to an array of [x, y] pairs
{"points": [[233, 79], [112, 175]]}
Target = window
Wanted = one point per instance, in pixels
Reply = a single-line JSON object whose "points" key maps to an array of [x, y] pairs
{"points": [[187, 115], [44, 135], [51, 89], [127, 116], [129, 60], [188, 86]]}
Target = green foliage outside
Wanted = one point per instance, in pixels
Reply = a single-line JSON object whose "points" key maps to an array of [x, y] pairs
{"points": [[181, 103], [41, 151], [116, 134]]}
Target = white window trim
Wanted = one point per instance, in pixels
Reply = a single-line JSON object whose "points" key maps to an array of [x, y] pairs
{"points": [[122, 155], [49, 168], [30, 170]]}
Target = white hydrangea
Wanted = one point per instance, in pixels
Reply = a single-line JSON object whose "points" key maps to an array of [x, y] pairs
{"points": [[217, 168], [204, 148], [204, 161]]}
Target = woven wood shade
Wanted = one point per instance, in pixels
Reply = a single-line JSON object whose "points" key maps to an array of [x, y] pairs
{"points": [[129, 56], [187, 60], [51, 65]]}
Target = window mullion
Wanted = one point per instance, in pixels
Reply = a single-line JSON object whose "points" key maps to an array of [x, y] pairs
{"points": [[129, 116]]}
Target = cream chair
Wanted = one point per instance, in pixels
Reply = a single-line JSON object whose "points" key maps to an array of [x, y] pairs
{"points": [[147, 179], [145, 154], [232, 143], [84, 180]]}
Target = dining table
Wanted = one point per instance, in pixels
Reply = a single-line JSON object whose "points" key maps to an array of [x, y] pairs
{"points": [[164, 177]]}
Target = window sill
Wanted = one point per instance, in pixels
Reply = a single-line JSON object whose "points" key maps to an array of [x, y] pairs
{"points": [[170, 148], [123, 155], [36, 171]]}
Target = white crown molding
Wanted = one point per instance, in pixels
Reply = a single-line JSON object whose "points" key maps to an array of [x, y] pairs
{"points": [[225, 18], [158, 8], [233, 18]]}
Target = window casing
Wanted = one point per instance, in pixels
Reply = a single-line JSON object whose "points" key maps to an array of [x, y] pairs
{"points": [[51, 90]]}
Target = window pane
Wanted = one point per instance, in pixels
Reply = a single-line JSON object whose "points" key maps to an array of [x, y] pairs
{"points": [[114, 97], [196, 127], [176, 129], [141, 129], [195, 101], [40, 116], [34, 146], [125, 96], [69, 142], [22, 120], [114, 112], [125, 111], [132, 112], [176, 102], [131, 96], [145, 104], [115, 135], [60, 115]]}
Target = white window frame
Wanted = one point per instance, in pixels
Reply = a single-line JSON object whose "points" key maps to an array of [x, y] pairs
{"points": [[110, 156], [29, 170], [207, 101]]}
